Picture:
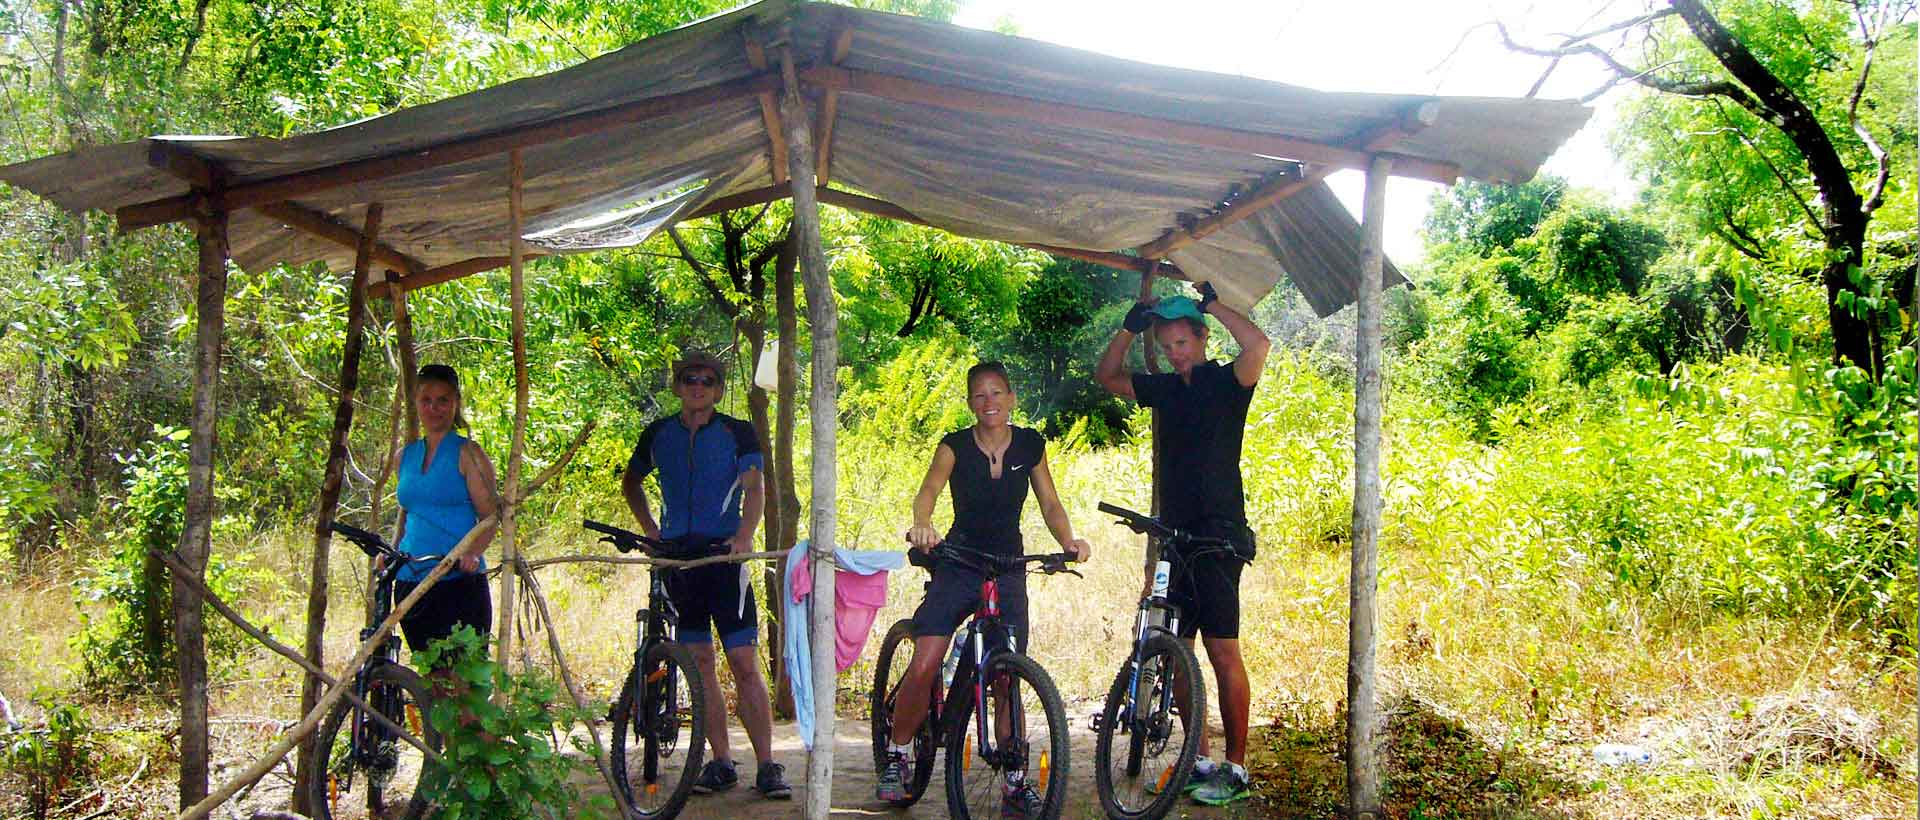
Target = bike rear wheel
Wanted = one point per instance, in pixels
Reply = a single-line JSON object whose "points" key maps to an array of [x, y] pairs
{"points": [[1026, 747], [380, 776], [1145, 748], [659, 731], [896, 654]]}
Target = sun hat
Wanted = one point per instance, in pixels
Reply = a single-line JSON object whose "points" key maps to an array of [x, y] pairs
{"points": [[699, 358]]}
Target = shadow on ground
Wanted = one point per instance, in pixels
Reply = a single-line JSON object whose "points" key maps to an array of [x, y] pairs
{"points": [[1436, 768]]}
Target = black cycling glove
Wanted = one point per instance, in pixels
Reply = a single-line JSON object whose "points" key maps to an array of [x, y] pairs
{"points": [[1138, 319], [1207, 296]]}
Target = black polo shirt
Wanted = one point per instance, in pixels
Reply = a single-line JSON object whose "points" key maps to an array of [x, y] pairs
{"points": [[1200, 430]]}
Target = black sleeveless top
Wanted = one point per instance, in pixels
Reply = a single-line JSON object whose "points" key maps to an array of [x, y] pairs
{"points": [[986, 510]]}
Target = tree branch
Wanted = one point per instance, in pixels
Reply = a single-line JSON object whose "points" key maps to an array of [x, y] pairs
{"points": [[1785, 183], [1576, 46], [1870, 37], [700, 272]]}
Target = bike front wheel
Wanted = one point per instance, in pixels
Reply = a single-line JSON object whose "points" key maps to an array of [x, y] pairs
{"points": [[1149, 731], [896, 654], [360, 768], [1018, 766], [659, 731]]}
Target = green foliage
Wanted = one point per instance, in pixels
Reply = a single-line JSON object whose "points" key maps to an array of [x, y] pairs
{"points": [[1487, 217], [1068, 311], [500, 762], [130, 645], [54, 762]]}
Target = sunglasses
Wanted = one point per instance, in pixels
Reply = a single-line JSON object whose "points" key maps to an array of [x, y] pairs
{"points": [[698, 379]]}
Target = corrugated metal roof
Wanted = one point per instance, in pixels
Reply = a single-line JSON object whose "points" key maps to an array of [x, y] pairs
{"points": [[1054, 181]]}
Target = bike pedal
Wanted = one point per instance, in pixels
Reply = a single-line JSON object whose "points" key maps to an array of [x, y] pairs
{"points": [[1096, 721]]}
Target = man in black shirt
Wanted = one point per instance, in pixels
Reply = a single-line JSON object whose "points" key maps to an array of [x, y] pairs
{"points": [[1202, 414]]}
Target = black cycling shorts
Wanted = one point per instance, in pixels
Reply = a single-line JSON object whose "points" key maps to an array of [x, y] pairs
{"points": [[1207, 589], [954, 594], [446, 605], [714, 600]]}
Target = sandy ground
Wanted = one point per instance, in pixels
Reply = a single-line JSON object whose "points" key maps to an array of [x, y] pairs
{"points": [[853, 780]]}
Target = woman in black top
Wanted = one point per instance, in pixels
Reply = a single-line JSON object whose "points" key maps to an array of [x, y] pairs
{"points": [[988, 468]]}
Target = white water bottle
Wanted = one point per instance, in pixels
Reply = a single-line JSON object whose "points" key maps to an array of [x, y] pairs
{"points": [[1622, 754], [1156, 616], [952, 665]]}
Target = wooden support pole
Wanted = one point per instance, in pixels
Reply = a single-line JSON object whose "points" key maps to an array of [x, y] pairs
{"points": [[409, 362], [1364, 733], [189, 636], [823, 315], [311, 721], [333, 477], [517, 452]]}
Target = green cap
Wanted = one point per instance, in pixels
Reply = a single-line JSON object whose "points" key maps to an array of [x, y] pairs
{"points": [[1176, 307]]}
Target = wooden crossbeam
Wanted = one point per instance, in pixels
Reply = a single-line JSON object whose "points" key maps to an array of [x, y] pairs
{"points": [[1141, 126], [205, 174], [769, 114], [291, 186], [325, 226], [444, 273], [1285, 185], [830, 103]]}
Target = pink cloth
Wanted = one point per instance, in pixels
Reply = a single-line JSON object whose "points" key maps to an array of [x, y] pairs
{"points": [[857, 600]]}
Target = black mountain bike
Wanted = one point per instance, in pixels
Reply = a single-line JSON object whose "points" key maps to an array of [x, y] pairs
{"points": [[356, 751], [1018, 738], [659, 722], [1148, 733]]}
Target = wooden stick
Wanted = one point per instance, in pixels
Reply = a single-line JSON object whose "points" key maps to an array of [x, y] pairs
{"points": [[1364, 735], [517, 453], [644, 560], [841, 43], [565, 458], [769, 113], [334, 475], [285, 651], [325, 226], [573, 688], [278, 751]]}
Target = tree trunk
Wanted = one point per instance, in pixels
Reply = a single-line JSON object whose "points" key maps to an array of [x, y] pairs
{"points": [[196, 533], [822, 314], [1363, 712], [772, 576], [409, 364], [335, 475], [785, 493]]}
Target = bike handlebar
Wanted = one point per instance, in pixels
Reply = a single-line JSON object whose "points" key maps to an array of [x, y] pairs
{"points": [[1050, 562], [1148, 525], [370, 543], [628, 541]]}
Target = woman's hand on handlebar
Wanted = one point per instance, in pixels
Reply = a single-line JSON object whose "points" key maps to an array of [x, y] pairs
{"points": [[1081, 550], [469, 561], [923, 537]]}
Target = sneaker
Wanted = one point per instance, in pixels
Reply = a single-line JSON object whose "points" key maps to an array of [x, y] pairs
{"points": [[1197, 776], [893, 779], [768, 781], [1228, 784], [716, 776], [1020, 802]]}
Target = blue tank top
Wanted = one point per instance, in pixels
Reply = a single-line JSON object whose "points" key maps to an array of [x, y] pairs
{"points": [[439, 510]]}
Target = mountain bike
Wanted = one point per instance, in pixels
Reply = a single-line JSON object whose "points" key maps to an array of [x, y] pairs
{"points": [[1154, 711], [659, 722], [1022, 711], [356, 750]]}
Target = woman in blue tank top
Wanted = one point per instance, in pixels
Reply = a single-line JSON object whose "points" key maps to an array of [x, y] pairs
{"points": [[446, 486]]}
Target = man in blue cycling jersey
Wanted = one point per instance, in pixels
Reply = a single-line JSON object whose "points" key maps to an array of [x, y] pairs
{"points": [[1202, 408], [709, 467]]}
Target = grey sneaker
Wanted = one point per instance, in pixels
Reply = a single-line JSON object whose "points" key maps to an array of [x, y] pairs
{"points": [[893, 779], [1020, 802], [716, 776], [770, 783], [1225, 786]]}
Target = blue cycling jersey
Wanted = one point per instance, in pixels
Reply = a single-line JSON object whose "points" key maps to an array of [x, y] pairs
{"points": [[700, 473]]}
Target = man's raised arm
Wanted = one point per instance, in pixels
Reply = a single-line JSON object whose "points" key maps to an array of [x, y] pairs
{"points": [[1112, 371], [1252, 340]]}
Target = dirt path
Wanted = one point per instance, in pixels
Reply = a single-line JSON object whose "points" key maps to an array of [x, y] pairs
{"points": [[853, 780]]}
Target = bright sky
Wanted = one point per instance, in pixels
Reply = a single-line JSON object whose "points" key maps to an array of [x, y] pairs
{"points": [[1443, 47]]}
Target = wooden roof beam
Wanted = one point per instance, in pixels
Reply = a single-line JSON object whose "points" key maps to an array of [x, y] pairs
{"points": [[325, 226], [837, 51], [444, 273], [291, 186], [207, 175], [1285, 185], [903, 89], [769, 113]]}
